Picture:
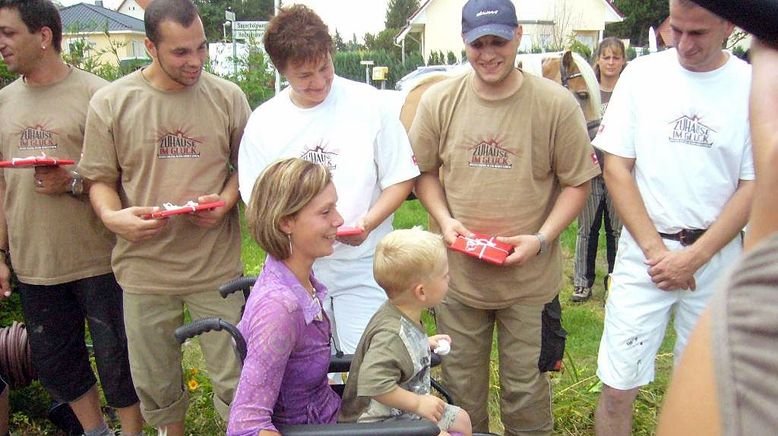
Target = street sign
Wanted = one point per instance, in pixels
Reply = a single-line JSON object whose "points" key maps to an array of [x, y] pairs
{"points": [[229, 15], [249, 29]]}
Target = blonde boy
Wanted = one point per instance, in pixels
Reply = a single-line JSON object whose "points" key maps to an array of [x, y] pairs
{"points": [[390, 373]]}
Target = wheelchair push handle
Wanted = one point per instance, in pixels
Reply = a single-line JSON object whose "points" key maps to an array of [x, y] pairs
{"points": [[204, 325], [240, 284]]}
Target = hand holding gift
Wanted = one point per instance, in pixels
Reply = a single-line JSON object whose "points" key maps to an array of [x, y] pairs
{"points": [[486, 248]]}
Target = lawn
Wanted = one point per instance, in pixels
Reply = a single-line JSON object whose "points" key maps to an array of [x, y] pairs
{"points": [[575, 389]]}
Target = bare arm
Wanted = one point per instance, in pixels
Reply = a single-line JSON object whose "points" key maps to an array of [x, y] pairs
{"points": [[390, 199], [674, 266], [691, 404], [764, 139], [566, 208], [629, 204], [126, 223], [426, 406], [5, 271], [430, 193]]}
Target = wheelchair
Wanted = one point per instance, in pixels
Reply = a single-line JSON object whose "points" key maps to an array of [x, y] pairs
{"points": [[339, 362]]}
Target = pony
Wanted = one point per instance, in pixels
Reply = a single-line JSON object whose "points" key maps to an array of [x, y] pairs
{"points": [[567, 68]]}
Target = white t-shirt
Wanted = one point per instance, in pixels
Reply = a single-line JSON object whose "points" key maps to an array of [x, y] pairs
{"points": [[688, 133], [352, 132]]}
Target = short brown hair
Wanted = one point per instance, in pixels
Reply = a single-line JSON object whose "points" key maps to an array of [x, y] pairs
{"points": [[283, 188], [37, 14], [406, 258], [182, 12], [296, 35]]}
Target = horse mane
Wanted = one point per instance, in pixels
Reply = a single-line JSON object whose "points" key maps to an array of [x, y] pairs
{"points": [[533, 64], [587, 72]]}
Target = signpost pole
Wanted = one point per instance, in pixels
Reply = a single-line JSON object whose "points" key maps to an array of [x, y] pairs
{"points": [[230, 16], [278, 75]]}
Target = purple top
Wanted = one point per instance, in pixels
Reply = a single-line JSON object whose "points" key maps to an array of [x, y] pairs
{"points": [[284, 377]]}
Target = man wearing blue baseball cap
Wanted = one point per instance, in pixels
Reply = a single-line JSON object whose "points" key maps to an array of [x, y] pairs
{"points": [[501, 153]]}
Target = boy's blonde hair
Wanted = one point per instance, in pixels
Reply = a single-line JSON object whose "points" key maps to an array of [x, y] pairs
{"points": [[405, 258]]}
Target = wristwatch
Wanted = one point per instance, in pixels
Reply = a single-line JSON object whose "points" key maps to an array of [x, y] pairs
{"points": [[77, 184], [543, 243]]}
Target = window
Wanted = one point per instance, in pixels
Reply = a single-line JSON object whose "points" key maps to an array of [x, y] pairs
{"points": [[527, 42], [137, 49], [586, 39]]}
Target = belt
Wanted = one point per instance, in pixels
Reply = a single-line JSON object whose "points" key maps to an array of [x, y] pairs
{"points": [[685, 236]]}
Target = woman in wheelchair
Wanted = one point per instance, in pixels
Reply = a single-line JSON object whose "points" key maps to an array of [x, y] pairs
{"points": [[292, 216]]}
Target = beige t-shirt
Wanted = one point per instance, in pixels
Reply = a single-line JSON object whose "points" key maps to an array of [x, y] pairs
{"points": [[502, 165], [53, 238], [169, 147]]}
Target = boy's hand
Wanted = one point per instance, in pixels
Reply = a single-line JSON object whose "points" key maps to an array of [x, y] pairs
{"points": [[434, 340], [430, 407]]}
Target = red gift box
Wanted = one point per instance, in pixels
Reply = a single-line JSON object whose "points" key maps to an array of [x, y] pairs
{"points": [[190, 207], [35, 161], [484, 247]]}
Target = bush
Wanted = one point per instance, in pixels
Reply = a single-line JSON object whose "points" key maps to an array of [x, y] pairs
{"points": [[631, 53], [257, 79], [582, 49], [6, 76]]}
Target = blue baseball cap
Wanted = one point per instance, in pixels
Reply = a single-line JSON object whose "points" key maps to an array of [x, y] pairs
{"points": [[488, 17]]}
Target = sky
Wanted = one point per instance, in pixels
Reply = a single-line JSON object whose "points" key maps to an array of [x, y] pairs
{"points": [[347, 16]]}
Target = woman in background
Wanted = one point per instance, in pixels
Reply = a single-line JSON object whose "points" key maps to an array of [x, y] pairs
{"points": [[608, 67]]}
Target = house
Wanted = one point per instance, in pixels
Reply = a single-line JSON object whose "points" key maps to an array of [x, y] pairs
{"points": [[110, 36], [131, 8], [547, 24]]}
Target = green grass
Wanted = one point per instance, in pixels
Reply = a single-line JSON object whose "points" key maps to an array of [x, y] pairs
{"points": [[575, 390]]}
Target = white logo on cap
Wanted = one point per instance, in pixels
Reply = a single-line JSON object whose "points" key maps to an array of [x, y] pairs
{"points": [[495, 12]]}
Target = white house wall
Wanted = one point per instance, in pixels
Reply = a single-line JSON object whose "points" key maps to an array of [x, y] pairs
{"points": [[442, 22]]}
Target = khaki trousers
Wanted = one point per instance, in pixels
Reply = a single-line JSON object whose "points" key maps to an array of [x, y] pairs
{"points": [[155, 356], [525, 392]]}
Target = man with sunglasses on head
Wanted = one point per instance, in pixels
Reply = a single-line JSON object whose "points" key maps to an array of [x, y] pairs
{"points": [[501, 153]]}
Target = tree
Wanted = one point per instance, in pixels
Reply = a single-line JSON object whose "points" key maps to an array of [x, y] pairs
{"points": [[398, 12], [639, 16], [383, 41], [340, 45]]}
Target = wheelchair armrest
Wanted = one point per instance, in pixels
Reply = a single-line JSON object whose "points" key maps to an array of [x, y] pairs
{"points": [[435, 360], [342, 362], [203, 325], [240, 284], [392, 428]]}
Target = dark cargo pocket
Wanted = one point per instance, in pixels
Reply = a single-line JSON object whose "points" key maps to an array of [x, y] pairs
{"points": [[553, 337]]}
